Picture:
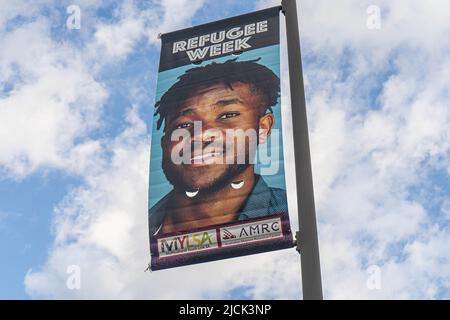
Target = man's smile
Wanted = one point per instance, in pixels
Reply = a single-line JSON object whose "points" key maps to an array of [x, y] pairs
{"points": [[205, 158]]}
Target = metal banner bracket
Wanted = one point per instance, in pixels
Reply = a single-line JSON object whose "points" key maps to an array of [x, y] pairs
{"points": [[297, 242]]}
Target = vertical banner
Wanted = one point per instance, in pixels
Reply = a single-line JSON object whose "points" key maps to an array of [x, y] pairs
{"points": [[217, 181]]}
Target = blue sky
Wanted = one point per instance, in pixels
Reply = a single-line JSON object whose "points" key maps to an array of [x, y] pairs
{"points": [[76, 106], [26, 205]]}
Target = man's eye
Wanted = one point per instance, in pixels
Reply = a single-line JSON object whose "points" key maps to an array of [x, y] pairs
{"points": [[229, 115], [183, 125]]}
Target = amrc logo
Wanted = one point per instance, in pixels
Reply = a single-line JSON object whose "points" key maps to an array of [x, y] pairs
{"points": [[251, 232]]}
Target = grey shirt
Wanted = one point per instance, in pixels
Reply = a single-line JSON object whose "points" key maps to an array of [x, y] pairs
{"points": [[262, 201]]}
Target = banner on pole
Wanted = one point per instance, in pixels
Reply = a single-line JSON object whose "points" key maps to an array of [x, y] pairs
{"points": [[217, 182]]}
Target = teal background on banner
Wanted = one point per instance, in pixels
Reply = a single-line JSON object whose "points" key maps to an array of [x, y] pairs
{"points": [[159, 186]]}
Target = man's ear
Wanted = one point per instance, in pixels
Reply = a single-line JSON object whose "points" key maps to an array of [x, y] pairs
{"points": [[265, 127]]}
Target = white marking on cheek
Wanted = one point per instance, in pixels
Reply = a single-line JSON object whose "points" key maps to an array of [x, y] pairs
{"points": [[237, 185], [192, 194]]}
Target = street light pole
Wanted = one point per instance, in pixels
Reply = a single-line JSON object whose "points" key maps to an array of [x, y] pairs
{"points": [[307, 242]]}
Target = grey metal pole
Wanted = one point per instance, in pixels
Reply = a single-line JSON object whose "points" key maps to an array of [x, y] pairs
{"points": [[307, 242]]}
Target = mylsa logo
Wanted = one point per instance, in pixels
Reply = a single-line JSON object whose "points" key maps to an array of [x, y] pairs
{"points": [[179, 244], [251, 232]]}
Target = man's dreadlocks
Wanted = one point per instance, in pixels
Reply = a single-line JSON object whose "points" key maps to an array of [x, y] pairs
{"points": [[260, 78]]}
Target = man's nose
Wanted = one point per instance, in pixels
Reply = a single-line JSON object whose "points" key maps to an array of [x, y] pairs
{"points": [[204, 132]]}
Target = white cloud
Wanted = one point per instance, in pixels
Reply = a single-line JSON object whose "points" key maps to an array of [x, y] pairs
{"points": [[50, 96], [365, 162], [366, 158], [52, 100], [118, 39]]}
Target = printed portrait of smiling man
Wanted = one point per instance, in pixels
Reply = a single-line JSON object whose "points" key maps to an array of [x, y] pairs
{"points": [[213, 118]]}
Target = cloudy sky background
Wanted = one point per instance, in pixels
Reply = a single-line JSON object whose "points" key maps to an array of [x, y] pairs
{"points": [[75, 109]]}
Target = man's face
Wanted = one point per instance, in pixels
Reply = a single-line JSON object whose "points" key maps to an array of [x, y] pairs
{"points": [[220, 108]]}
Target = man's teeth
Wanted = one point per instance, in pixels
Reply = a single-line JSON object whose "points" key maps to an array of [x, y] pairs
{"points": [[206, 156]]}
